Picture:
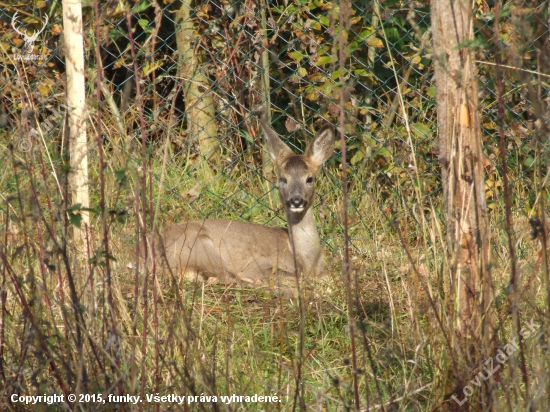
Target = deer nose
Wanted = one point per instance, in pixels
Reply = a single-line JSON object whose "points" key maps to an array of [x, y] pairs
{"points": [[297, 202]]}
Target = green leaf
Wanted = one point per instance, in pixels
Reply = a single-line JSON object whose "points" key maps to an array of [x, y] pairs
{"points": [[364, 34], [383, 152], [393, 34], [302, 72], [321, 61], [421, 130], [324, 21], [120, 175], [370, 142], [296, 55], [529, 162], [336, 74], [144, 24], [75, 218], [357, 157], [142, 6]]}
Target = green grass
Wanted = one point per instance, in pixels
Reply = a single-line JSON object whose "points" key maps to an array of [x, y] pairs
{"points": [[193, 339]]}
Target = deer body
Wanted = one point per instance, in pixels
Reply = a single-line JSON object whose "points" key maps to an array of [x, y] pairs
{"points": [[251, 253]]}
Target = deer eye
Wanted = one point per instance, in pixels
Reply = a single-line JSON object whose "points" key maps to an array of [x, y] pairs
{"points": [[309, 180]]}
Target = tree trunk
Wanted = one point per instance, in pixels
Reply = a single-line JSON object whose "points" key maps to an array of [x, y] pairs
{"points": [[460, 156], [201, 123], [77, 116]]}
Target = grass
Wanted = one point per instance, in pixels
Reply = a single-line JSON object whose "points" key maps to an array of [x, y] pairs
{"points": [[176, 337], [118, 332], [190, 339]]}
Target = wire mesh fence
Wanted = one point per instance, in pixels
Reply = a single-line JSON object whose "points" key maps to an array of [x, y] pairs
{"points": [[231, 58], [226, 51], [187, 79]]}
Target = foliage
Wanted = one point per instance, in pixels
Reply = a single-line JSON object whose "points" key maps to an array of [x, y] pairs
{"points": [[161, 334]]}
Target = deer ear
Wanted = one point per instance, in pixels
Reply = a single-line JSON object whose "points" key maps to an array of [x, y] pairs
{"points": [[276, 148], [322, 147]]}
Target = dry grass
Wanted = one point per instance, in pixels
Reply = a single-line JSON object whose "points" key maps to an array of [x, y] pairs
{"points": [[175, 337]]}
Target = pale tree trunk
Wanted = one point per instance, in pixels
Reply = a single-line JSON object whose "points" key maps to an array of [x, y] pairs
{"points": [[76, 102], [78, 145], [78, 177], [461, 160], [201, 123]]}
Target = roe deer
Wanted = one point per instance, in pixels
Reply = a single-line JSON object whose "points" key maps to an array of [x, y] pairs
{"points": [[252, 253]]}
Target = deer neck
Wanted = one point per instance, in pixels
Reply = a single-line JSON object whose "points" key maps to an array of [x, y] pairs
{"points": [[305, 241]]}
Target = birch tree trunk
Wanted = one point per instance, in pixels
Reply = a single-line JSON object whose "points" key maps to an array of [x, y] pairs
{"points": [[201, 123], [76, 102], [460, 157]]}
